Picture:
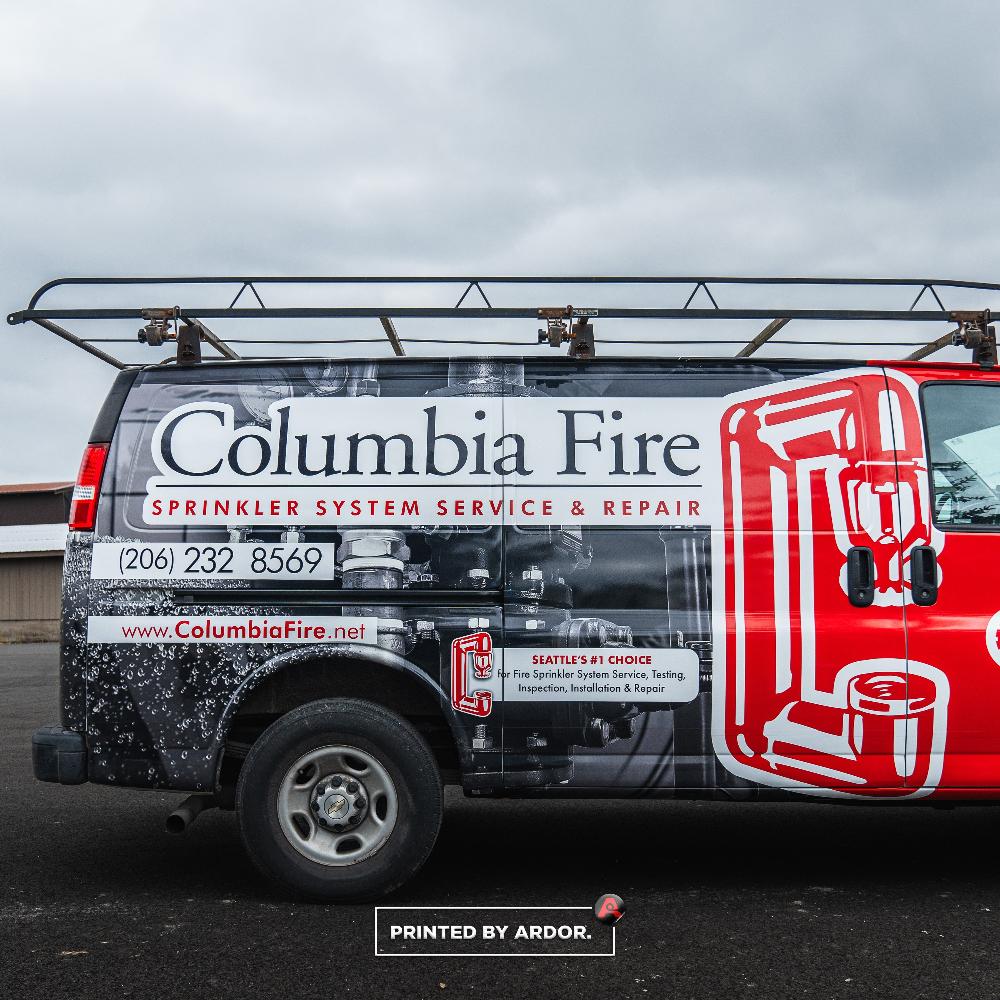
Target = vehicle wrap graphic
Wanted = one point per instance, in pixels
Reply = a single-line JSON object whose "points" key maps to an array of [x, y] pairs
{"points": [[410, 460], [811, 471], [650, 597]]}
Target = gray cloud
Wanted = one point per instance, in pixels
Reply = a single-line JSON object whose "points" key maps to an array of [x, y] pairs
{"points": [[745, 136]]}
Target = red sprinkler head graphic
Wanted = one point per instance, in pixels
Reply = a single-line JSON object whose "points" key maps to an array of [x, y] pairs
{"points": [[609, 908]]}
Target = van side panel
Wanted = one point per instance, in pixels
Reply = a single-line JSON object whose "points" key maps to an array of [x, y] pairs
{"points": [[541, 547], [814, 685], [193, 606], [613, 607], [950, 423]]}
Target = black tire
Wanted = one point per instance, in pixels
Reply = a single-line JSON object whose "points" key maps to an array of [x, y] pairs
{"points": [[396, 746]]}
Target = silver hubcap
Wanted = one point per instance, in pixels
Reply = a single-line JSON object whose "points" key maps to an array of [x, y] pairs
{"points": [[339, 801], [337, 805]]}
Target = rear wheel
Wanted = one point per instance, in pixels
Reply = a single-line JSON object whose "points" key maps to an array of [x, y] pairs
{"points": [[339, 800]]}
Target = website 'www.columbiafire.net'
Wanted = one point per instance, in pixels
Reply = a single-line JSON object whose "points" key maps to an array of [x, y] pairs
{"points": [[230, 628]]}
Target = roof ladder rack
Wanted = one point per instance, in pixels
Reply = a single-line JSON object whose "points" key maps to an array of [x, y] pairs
{"points": [[665, 299]]}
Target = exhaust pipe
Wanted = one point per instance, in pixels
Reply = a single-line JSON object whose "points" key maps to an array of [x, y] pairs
{"points": [[188, 811]]}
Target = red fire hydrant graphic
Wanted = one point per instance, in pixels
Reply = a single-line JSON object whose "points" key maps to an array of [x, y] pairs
{"points": [[471, 660], [812, 692]]}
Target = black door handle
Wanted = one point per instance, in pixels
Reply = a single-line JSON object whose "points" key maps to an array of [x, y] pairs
{"points": [[923, 575], [861, 576]]}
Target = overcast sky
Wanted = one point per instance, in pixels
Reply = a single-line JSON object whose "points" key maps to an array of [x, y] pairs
{"points": [[741, 137]]}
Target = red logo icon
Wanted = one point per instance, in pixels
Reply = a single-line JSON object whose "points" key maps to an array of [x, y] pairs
{"points": [[609, 908], [471, 660]]}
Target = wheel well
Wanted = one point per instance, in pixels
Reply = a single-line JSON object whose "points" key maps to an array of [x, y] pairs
{"points": [[299, 683]]}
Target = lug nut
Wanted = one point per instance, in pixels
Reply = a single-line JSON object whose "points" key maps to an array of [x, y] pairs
{"points": [[360, 803], [352, 786], [336, 782]]}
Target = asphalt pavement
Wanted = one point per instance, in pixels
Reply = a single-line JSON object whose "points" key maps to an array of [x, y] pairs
{"points": [[724, 900]]}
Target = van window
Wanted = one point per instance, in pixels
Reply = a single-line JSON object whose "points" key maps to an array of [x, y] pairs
{"points": [[963, 431]]}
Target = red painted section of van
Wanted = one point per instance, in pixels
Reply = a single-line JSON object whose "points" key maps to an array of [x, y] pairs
{"points": [[817, 694], [952, 633]]}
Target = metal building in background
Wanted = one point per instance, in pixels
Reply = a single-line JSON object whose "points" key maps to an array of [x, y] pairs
{"points": [[33, 519]]}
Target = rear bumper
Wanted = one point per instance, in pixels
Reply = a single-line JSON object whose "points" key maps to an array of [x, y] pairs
{"points": [[59, 755]]}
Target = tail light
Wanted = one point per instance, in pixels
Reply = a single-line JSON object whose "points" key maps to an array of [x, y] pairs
{"points": [[83, 510]]}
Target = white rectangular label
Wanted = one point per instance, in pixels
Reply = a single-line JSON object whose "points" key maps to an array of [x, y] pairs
{"points": [[216, 561], [230, 628], [613, 674], [478, 461], [465, 932]]}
